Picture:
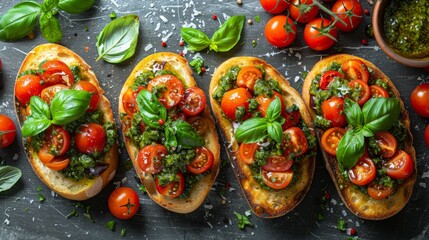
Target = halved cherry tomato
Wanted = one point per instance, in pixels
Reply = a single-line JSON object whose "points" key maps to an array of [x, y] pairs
{"points": [[57, 72], [319, 34], [378, 191], [123, 203], [171, 89], [202, 162], [194, 101], [58, 164], [172, 189], [90, 138], [56, 142], [303, 10], [233, 99], [280, 31], [49, 92], [150, 158], [294, 142], [292, 118], [129, 101], [331, 138], [355, 69], [363, 172], [246, 152], [387, 143], [363, 88], [377, 91], [327, 78], [350, 11], [400, 166], [7, 131], [278, 164], [264, 102], [89, 87], [247, 77], [199, 124], [27, 86], [277, 180], [333, 110], [274, 6]]}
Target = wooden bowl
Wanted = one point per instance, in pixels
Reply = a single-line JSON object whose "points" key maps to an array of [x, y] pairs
{"points": [[378, 26]]}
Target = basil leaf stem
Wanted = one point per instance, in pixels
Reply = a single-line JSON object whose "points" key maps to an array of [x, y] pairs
{"points": [[118, 39]]}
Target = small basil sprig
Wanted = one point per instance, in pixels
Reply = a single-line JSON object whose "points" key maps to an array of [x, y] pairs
{"points": [[186, 136], [223, 40], [377, 115], [21, 19], [118, 39], [151, 110], [257, 129], [8, 177], [67, 106]]}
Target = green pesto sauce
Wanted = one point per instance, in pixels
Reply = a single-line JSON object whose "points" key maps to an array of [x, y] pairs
{"points": [[406, 26]]}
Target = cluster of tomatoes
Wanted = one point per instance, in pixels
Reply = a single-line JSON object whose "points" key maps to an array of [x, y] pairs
{"points": [[319, 33], [420, 102]]}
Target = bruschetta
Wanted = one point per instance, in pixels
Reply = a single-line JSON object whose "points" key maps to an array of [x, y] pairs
{"points": [[67, 124], [169, 133], [268, 130], [364, 131]]}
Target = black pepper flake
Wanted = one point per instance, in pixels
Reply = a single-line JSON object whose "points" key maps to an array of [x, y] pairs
{"points": [[109, 75]]}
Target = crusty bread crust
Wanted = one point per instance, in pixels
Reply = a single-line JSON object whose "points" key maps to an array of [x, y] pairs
{"points": [[68, 188], [264, 203], [359, 203], [200, 191]]}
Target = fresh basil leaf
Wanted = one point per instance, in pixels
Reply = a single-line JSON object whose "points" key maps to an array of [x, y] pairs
{"points": [[39, 108], [350, 148], [275, 131], [118, 39], [353, 113], [75, 6], [274, 109], [186, 135], [196, 39], [8, 177], [252, 130], [170, 137], [150, 108], [228, 35], [366, 132], [50, 27], [50, 6], [69, 105], [33, 126], [379, 114], [18, 21]]}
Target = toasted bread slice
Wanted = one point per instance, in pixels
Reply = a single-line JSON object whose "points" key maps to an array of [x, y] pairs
{"points": [[68, 188], [200, 190], [264, 203], [359, 203]]}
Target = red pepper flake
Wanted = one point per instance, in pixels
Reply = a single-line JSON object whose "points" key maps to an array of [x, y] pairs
{"points": [[227, 184], [164, 44], [327, 196], [161, 122], [203, 69], [366, 11], [214, 17], [364, 41], [86, 49], [351, 231], [181, 43], [181, 54]]}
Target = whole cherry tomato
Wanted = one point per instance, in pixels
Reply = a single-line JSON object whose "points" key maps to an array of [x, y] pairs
{"points": [[350, 11], [303, 10], [319, 34], [274, 6], [123, 203], [28, 86], [420, 99], [280, 31], [7, 131]]}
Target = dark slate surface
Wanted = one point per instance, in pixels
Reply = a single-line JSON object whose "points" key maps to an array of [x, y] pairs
{"points": [[22, 216]]}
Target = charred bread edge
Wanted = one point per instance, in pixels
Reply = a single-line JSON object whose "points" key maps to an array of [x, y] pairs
{"points": [[70, 189], [357, 202], [275, 203], [200, 191]]}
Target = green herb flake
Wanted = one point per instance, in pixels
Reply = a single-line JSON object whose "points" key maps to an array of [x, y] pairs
{"points": [[123, 232], [257, 19], [111, 225], [142, 188], [320, 217], [41, 197], [242, 220], [254, 43], [86, 28], [197, 64], [342, 225], [73, 213], [113, 15], [87, 214]]}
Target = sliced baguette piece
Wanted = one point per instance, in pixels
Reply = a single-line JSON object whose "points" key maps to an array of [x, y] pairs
{"points": [[199, 192], [68, 188], [264, 203], [359, 203]]}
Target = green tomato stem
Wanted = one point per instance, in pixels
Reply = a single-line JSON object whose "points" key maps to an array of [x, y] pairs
{"points": [[325, 9]]}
